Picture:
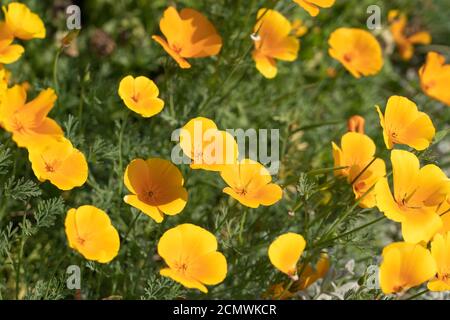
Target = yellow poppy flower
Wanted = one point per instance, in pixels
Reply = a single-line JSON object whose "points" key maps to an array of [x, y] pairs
{"points": [[189, 34], [403, 123], [440, 250], [417, 193], [435, 78], [356, 124], [28, 122], [141, 95], [60, 163], [207, 147], [90, 232], [357, 49], [313, 6], [9, 52], [285, 251], [250, 184], [405, 265], [23, 23], [156, 186], [356, 154], [273, 41], [405, 43], [192, 257]]}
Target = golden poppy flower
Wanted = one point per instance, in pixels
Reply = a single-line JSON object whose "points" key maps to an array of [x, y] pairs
{"points": [[189, 34], [417, 193], [405, 265], [403, 123], [273, 41], [207, 147], [357, 49], [356, 154], [60, 163], [141, 95], [9, 52], [28, 121], [440, 249], [435, 77], [250, 184], [313, 6], [404, 42], [356, 124], [90, 232], [309, 275], [192, 257], [23, 23], [156, 186], [285, 251]]}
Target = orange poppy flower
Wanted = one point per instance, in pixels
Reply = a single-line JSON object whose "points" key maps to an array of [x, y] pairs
{"points": [[23, 23], [273, 40], [356, 124], [403, 123], [250, 184], [90, 232], [405, 43], [357, 49], [207, 147], [60, 163], [192, 257], [141, 95], [189, 34], [28, 122], [313, 6], [285, 252], [156, 186], [435, 78], [9, 52]]}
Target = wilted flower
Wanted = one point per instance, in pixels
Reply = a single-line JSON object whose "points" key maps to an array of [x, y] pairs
{"points": [[189, 34], [156, 186], [403, 123], [250, 184], [356, 124], [435, 77], [192, 257], [405, 265], [60, 163], [23, 23], [90, 232], [417, 193], [357, 49], [273, 41], [141, 95]]}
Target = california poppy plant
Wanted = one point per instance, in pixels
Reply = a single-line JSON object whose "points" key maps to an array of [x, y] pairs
{"points": [[403, 123], [28, 121], [140, 95], [435, 77], [417, 193], [189, 34], [207, 147], [404, 42], [313, 6], [9, 52], [440, 248], [191, 255], [273, 40], [23, 23], [249, 182], [285, 251], [90, 232], [405, 265], [60, 163], [357, 49], [356, 161], [156, 186]]}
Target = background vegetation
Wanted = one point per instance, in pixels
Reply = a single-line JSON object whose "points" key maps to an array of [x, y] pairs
{"points": [[309, 106]]}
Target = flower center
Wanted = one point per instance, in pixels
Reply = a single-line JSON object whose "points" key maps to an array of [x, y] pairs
{"points": [[181, 267], [429, 85], [17, 125], [176, 48], [347, 57], [80, 240], [241, 192]]}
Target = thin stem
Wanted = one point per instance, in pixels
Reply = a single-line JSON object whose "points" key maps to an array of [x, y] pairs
{"points": [[55, 70], [132, 224], [363, 170], [417, 295]]}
